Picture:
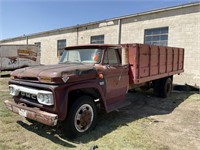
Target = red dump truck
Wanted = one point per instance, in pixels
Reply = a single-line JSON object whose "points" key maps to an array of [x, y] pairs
{"points": [[89, 78]]}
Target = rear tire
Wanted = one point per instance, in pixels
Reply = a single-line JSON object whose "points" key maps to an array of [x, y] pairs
{"points": [[165, 87], [81, 117]]}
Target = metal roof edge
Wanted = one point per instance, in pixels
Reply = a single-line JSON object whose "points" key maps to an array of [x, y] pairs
{"points": [[158, 10]]}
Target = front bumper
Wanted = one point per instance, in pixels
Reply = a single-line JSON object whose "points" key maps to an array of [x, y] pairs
{"points": [[32, 113]]}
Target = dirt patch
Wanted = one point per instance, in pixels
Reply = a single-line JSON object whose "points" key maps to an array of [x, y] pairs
{"points": [[179, 129], [149, 123]]}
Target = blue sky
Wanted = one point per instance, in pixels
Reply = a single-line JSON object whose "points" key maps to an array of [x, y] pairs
{"points": [[19, 17]]}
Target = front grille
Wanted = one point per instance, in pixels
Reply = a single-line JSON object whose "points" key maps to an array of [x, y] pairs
{"points": [[25, 95]]}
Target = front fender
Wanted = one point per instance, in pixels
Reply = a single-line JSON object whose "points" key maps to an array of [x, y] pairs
{"points": [[83, 85]]}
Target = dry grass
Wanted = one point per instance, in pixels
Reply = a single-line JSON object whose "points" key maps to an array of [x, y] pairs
{"points": [[127, 129], [4, 84]]}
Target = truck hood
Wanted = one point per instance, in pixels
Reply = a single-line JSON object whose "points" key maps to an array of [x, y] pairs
{"points": [[59, 73]]}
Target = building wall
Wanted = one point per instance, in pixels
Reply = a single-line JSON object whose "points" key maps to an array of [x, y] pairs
{"points": [[109, 29], [184, 31]]}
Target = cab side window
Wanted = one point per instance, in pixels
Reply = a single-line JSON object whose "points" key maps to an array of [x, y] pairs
{"points": [[111, 57]]}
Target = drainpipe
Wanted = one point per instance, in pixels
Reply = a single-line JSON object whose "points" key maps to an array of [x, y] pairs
{"points": [[119, 31], [77, 35], [26, 40]]}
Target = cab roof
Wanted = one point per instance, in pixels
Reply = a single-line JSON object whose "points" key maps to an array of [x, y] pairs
{"points": [[92, 46]]}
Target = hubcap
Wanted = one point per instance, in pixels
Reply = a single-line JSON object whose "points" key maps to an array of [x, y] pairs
{"points": [[83, 118]]}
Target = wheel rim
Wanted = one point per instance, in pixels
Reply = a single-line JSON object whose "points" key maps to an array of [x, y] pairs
{"points": [[83, 118]]}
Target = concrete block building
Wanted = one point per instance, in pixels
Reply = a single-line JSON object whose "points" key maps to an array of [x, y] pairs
{"points": [[177, 26]]}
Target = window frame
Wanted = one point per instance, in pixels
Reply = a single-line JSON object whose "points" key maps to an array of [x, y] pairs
{"points": [[60, 49], [152, 35], [39, 45], [97, 41], [106, 54]]}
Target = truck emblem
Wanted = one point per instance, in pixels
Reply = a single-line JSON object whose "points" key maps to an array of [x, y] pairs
{"points": [[65, 79], [28, 95]]}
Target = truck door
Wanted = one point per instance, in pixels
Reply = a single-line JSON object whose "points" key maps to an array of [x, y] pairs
{"points": [[116, 78]]}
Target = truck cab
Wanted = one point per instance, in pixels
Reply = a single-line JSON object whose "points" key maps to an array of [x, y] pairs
{"points": [[85, 77]]}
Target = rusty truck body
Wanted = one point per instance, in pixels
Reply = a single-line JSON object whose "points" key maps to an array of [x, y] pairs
{"points": [[18, 56], [89, 78]]}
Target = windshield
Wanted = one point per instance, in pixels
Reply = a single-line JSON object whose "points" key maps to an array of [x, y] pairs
{"points": [[90, 55]]}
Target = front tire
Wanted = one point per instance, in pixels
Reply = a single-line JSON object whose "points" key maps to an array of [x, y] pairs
{"points": [[81, 117]]}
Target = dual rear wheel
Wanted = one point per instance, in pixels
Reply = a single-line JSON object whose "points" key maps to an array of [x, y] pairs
{"points": [[163, 87]]}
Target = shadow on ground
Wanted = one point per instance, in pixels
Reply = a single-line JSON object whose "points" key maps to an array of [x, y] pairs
{"points": [[143, 104], [51, 133]]}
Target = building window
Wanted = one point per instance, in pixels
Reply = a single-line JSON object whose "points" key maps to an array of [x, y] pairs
{"points": [[99, 39], [157, 36], [61, 44], [39, 45]]}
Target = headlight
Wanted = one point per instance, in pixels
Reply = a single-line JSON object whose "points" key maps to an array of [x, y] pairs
{"points": [[40, 97], [13, 90], [45, 98]]}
